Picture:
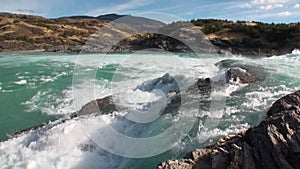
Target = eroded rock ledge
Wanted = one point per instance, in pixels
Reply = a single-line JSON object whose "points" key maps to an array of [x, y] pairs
{"points": [[273, 144]]}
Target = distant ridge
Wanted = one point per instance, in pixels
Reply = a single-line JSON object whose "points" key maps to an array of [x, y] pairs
{"points": [[110, 17], [106, 17]]}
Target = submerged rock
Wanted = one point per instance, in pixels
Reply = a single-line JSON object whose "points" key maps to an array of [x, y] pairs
{"points": [[273, 144]]}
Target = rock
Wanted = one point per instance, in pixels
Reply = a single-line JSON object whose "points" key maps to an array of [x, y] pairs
{"points": [[290, 102], [202, 85], [9, 46], [239, 75], [273, 144], [240, 69], [98, 106], [166, 83], [63, 49]]}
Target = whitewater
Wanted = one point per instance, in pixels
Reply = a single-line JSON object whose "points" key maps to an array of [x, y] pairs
{"points": [[42, 88]]}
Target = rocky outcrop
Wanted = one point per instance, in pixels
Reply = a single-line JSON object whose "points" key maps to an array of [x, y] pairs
{"points": [[273, 144]]}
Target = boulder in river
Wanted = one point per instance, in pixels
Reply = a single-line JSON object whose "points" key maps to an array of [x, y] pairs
{"points": [[240, 75], [98, 106]]}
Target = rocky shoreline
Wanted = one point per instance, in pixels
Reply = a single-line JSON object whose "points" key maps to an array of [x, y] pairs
{"points": [[274, 143], [23, 47]]}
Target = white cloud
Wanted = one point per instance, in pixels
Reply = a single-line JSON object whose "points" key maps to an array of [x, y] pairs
{"points": [[270, 6], [36, 7], [265, 4], [285, 13], [246, 5], [119, 8], [297, 6]]}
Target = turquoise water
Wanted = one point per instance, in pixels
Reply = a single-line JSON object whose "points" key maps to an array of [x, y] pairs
{"points": [[42, 87], [24, 79]]}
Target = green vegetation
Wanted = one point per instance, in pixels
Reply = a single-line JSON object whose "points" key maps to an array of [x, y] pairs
{"points": [[211, 25], [272, 32], [255, 34]]}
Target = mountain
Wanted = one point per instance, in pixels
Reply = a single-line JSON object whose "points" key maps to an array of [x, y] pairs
{"points": [[110, 17], [106, 17]]}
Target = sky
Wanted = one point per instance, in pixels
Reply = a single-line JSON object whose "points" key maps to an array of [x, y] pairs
{"points": [[278, 11]]}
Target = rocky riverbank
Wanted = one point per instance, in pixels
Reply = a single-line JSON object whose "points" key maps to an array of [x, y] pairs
{"points": [[274, 143]]}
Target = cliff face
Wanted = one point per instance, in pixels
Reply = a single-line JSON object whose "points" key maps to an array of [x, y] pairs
{"points": [[274, 143], [25, 32]]}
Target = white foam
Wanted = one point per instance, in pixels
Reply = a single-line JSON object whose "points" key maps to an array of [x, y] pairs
{"points": [[262, 98], [21, 82], [59, 147], [49, 103], [56, 76], [234, 86], [296, 52], [7, 91], [204, 134], [67, 145]]}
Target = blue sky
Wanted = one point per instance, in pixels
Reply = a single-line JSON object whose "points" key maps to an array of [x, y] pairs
{"points": [[257, 10]]}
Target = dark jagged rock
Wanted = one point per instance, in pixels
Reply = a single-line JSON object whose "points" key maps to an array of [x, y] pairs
{"points": [[273, 144], [239, 74], [290, 102]]}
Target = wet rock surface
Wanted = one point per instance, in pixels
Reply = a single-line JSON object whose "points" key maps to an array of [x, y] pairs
{"points": [[102, 106], [240, 75], [273, 144]]}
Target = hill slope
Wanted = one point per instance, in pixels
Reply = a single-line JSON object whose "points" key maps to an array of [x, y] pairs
{"points": [[68, 34]]}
